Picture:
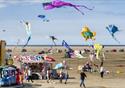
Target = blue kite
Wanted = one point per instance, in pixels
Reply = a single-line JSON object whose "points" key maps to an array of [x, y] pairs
{"points": [[65, 44], [44, 18], [112, 30]]}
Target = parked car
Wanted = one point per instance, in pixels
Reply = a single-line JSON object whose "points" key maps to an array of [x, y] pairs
{"points": [[7, 76]]}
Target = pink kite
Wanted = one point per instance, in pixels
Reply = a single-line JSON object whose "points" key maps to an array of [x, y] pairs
{"points": [[59, 4]]}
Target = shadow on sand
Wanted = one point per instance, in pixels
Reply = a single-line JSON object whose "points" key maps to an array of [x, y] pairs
{"points": [[72, 78], [97, 87], [28, 85], [25, 85]]}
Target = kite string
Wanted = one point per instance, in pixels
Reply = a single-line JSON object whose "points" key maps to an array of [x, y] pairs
{"points": [[84, 7], [116, 40], [14, 49], [78, 9]]}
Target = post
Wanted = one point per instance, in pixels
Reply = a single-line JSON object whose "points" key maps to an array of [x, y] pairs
{"points": [[2, 52]]}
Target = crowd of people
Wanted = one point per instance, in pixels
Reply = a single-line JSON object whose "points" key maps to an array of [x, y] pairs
{"points": [[63, 75]]}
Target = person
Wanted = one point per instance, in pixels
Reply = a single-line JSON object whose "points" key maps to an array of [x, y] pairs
{"points": [[82, 78], [101, 71], [17, 77], [48, 75], [30, 75], [21, 78], [44, 73], [52, 76], [92, 57], [87, 67], [26, 73], [61, 75], [66, 76]]}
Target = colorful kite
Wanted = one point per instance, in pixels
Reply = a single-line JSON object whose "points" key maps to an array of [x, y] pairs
{"points": [[112, 30], [43, 17], [87, 34], [27, 27], [53, 38], [98, 48], [60, 3]]}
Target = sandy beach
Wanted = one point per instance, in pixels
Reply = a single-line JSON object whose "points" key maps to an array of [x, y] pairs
{"points": [[114, 63]]}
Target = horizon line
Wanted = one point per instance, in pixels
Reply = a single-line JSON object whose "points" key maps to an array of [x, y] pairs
{"points": [[61, 45]]}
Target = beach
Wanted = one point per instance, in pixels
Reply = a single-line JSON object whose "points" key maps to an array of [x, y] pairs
{"points": [[114, 63]]}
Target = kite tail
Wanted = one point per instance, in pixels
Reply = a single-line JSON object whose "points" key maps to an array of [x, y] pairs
{"points": [[84, 7], [116, 40], [78, 9], [27, 41], [97, 55], [54, 42]]}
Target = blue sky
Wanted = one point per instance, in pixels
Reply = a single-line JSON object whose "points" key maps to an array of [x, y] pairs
{"points": [[65, 23]]}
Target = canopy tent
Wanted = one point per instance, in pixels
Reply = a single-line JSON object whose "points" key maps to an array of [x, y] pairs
{"points": [[29, 59], [58, 66]]}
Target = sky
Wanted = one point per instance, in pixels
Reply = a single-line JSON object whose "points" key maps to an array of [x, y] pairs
{"points": [[65, 23]]}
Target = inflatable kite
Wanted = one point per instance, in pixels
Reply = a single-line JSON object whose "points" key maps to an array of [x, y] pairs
{"points": [[60, 3], [87, 34], [112, 30], [98, 48]]}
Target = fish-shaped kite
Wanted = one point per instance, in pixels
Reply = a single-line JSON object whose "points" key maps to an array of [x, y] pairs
{"points": [[87, 34]]}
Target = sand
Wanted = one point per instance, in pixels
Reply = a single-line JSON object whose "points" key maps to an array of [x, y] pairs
{"points": [[115, 79]]}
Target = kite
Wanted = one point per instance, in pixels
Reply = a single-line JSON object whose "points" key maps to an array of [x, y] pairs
{"points": [[87, 34], [98, 48], [53, 38], [59, 3], [65, 44], [4, 30], [27, 27], [112, 30], [43, 17], [78, 55]]}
